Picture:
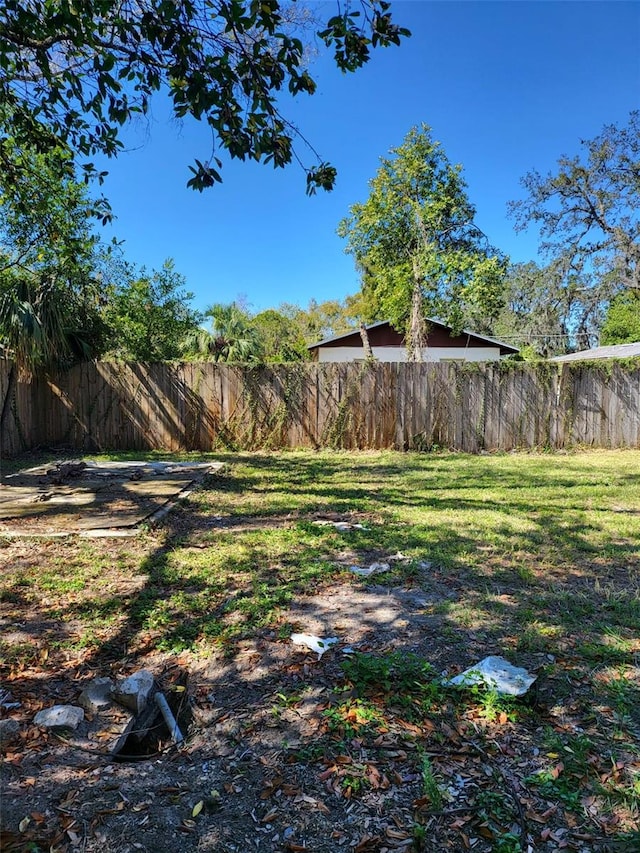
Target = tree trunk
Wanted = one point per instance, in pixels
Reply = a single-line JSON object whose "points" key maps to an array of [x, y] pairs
{"points": [[6, 405], [368, 352], [416, 333], [8, 397]]}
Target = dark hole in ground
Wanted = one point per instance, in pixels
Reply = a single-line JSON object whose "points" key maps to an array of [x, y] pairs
{"points": [[147, 735]]}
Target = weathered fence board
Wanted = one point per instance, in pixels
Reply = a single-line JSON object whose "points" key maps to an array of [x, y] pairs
{"points": [[104, 405]]}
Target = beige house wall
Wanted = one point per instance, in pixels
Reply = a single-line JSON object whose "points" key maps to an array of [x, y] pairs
{"points": [[429, 354]]}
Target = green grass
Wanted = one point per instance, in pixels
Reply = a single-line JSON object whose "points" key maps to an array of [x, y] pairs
{"points": [[534, 556], [563, 532]]}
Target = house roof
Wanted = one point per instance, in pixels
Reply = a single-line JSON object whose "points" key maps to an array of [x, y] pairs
{"points": [[615, 351], [505, 349]]}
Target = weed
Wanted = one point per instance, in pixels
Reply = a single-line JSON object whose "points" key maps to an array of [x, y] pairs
{"points": [[419, 835], [353, 718], [395, 672], [496, 814], [284, 702], [430, 786], [572, 771], [17, 656], [525, 573], [489, 703], [405, 679], [538, 637]]}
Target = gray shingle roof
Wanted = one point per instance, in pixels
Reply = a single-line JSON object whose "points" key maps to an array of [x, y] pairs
{"points": [[615, 351]]}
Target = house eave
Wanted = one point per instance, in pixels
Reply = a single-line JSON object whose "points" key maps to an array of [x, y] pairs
{"points": [[505, 349]]}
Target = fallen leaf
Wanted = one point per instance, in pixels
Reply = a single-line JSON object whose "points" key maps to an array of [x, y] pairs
{"points": [[557, 770], [394, 833], [24, 823], [326, 774], [367, 842], [197, 808]]}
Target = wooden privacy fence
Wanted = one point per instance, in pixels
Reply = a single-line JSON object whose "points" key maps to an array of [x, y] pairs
{"points": [[470, 407]]}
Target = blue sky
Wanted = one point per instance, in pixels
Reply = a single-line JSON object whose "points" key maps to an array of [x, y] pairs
{"points": [[505, 86]]}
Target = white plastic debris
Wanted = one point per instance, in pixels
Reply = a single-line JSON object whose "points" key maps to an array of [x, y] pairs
{"points": [[315, 644], [498, 673], [373, 569], [339, 525]]}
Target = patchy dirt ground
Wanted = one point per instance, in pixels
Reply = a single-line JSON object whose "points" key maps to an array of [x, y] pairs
{"points": [[286, 751]]}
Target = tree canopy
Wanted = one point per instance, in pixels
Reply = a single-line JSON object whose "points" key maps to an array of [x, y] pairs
{"points": [[622, 320], [49, 298], [417, 246], [547, 312], [232, 337], [588, 210], [281, 337], [72, 74], [148, 314]]}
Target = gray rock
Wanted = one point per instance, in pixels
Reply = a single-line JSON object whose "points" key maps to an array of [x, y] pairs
{"points": [[96, 695], [9, 730], [59, 717], [134, 691]]}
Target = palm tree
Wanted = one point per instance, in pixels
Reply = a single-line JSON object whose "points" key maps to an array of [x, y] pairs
{"points": [[231, 338], [44, 323]]}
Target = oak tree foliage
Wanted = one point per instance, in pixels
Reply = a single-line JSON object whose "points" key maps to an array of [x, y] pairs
{"points": [[588, 209], [547, 312], [72, 74]]}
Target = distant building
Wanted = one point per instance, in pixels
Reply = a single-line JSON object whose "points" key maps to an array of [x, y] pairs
{"points": [[388, 345], [615, 351]]}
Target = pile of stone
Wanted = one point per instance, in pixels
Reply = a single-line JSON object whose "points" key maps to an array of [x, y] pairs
{"points": [[127, 709]]}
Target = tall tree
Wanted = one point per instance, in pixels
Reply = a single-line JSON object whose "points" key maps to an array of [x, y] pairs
{"points": [[588, 210], [72, 74], [548, 312], [148, 314], [49, 299], [417, 246]]}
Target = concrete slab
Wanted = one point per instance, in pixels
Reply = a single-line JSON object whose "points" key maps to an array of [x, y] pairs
{"points": [[94, 498]]}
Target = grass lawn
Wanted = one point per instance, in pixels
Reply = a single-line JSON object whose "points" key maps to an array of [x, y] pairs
{"points": [[533, 557]]}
